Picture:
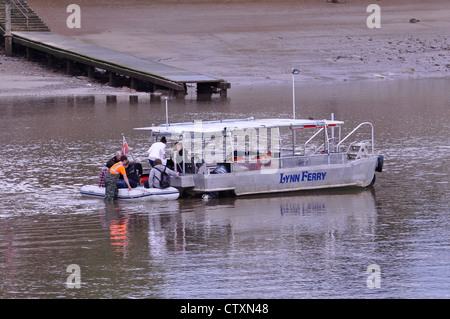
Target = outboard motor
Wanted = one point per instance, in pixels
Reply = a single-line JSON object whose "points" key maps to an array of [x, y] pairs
{"points": [[380, 163]]}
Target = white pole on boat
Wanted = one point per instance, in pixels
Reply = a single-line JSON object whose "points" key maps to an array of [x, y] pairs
{"points": [[294, 72], [332, 131], [167, 116]]}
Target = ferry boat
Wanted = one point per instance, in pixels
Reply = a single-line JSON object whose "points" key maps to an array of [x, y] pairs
{"points": [[257, 156]]}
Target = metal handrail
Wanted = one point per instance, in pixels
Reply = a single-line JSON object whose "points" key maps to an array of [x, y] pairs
{"points": [[323, 146], [25, 8], [354, 130], [14, 3], [310, 139], [327, 140]]}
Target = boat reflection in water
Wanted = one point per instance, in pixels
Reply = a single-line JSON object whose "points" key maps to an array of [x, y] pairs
{"points": [[224, 222], [263, 246]]}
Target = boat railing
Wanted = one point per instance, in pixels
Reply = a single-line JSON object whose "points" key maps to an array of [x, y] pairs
{"points": [[328, 145], [274, 163], [288, 162], [310, 139], [354, 130], [312, 160], [330, 141]]}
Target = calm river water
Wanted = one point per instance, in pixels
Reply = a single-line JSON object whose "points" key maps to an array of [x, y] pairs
{"points": [[299, 245]]}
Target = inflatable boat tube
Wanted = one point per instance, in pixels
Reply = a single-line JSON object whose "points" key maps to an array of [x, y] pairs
{"points": [[138, 193]]}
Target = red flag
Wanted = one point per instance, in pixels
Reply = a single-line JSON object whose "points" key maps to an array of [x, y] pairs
{"points": [[125, 148]]}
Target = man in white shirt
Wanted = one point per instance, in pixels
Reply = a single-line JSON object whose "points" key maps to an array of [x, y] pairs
{"points": [[158, 150]]}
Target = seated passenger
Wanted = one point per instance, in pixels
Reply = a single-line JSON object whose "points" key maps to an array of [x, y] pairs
{"points": [[155, 174], [134, 172]]}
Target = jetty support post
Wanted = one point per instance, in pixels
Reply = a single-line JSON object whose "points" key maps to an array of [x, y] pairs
{"points": [[50, 60], [112, 78], [90, 71], [133, 84], [180, 94], [70, 67], [223, 86], [8, 31], [214, 87]]}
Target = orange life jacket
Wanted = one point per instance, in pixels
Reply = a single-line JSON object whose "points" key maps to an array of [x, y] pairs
{"points": [[118, 168]]}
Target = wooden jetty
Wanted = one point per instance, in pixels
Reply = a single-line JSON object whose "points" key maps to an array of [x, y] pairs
{"points": [[116, 63], [90, 59]]}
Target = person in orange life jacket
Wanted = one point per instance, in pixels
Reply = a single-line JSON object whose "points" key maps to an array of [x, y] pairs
{"points": [[111, 190]]}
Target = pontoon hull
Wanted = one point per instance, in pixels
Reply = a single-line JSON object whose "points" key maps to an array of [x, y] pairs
{"points": [[358, 173]]}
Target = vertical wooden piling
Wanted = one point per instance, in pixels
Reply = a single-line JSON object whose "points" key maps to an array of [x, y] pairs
{"points": [[204, 88], [29, 53], [111, 99], [8, 34], [69, 67], [90, 72], [112, 79], [50, 60], [133, 84], [134, 99]]}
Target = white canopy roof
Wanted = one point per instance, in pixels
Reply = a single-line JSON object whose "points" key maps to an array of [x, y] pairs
{"points": [[237, 124]]}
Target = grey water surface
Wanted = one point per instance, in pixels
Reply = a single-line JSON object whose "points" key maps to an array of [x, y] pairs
{"points": [[298, 245]]}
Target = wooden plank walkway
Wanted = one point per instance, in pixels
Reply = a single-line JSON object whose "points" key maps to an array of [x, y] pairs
{"points": [[119, 63]]}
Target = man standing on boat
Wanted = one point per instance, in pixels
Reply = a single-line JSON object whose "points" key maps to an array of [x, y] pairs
{"points": [[157, 150], [111, 190]]}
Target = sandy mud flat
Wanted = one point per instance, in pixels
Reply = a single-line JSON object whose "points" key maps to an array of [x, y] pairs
{"points": [[250, 42]]}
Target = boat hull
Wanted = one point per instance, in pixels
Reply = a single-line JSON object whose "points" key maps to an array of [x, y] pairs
{"points": [[358, 173], [137, 194]]}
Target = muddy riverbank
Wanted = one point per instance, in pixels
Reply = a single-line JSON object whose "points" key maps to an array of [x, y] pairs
{"points": [[253, 42]]}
